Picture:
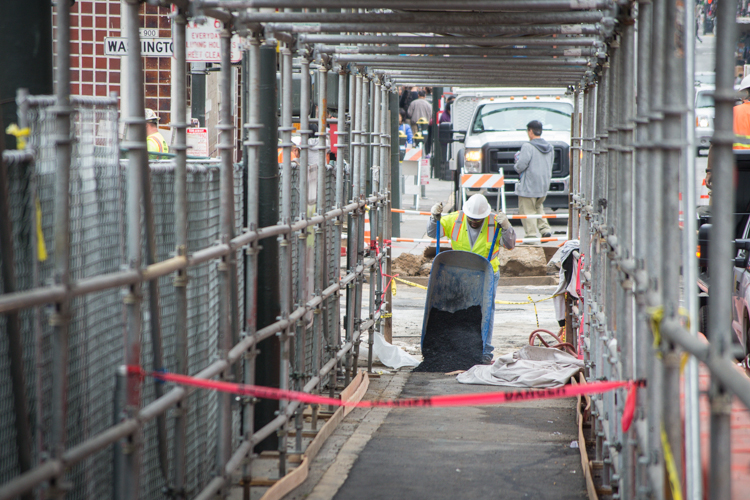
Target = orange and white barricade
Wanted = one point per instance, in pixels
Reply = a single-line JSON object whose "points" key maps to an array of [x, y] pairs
{"points": [[411, 169], [413, 154], [484, 181]]}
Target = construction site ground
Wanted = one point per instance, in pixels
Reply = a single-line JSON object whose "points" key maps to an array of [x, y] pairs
{"points": [[519, 450]]}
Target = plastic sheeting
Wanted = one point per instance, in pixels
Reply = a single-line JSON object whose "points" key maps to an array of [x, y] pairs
{"points": [[390, 355], [532, 367]]}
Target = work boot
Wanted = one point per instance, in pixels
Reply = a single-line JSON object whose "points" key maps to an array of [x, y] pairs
{"points": [[546, 235], [487, 359]]}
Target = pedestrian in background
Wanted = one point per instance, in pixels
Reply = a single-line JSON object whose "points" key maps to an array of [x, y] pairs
{"points": [[534, 164], [446, 116], [419, 109], [408, 94], [406, 129]]}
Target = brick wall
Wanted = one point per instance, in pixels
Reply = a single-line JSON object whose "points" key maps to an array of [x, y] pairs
{"points": [[94, 74]]}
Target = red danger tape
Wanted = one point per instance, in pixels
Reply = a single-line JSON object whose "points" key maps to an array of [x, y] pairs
{"points": [[476, 399]]}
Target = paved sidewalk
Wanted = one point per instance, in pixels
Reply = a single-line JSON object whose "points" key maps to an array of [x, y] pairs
{"points": [[511, 451]]}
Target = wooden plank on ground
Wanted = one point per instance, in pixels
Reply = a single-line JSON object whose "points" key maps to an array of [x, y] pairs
{"points": [[354, 392], [590, 487]]}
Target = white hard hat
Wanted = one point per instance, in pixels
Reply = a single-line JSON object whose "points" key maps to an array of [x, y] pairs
{"points": [[151, 115], [477, 207], [745, 83]]}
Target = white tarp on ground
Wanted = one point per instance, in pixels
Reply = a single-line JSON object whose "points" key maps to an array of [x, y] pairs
{"points": [[532, 367], [390, 355]]}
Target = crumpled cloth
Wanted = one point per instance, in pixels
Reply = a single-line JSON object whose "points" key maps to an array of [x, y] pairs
{"points": [[530, 367], [390, 355]]}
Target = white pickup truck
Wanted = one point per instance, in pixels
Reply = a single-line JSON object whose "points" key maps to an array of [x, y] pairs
{"points": [[490, 124]]}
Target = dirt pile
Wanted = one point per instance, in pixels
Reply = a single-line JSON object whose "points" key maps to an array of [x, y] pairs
{"points": [[408, 264], [452, 341], [523, 261]]}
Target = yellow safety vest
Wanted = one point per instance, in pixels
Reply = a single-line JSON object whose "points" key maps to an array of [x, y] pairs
{"points": [[155, 143], [455, 225]]}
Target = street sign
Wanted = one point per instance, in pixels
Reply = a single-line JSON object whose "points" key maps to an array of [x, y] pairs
{"points": [[203, 42], [150, 47]]}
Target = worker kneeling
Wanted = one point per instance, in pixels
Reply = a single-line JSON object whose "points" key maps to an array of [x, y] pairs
{"points": [[473, 229]]}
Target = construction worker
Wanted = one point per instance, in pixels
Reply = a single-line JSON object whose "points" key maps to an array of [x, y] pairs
{"points": [[472, 229], [742, 115], [155, 142]]}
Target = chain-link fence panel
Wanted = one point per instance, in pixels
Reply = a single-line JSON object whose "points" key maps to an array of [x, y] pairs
{"points": [[96, 330]]}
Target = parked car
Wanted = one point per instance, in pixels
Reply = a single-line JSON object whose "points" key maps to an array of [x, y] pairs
{"points": [[704, 115], [741, 264]]}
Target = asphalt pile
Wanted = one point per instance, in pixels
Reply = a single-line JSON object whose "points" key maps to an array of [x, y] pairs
{"points": [[452, 341]]}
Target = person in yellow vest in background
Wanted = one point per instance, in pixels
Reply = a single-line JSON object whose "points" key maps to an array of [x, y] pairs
{"points": [[155, 142], [472, 229], [742, 115]]}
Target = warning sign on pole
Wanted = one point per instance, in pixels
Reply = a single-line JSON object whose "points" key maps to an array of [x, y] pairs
{"points": [[197, 141], [424, 171], [203, 42]]}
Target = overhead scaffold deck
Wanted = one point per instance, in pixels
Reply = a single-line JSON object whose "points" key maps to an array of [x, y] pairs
{"points": [[119, 270]]}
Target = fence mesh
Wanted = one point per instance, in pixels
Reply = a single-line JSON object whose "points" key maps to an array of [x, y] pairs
{"points": [[97, 232]]}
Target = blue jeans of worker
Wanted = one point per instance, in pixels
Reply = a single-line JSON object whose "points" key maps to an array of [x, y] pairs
{"points": [[487, 347]]}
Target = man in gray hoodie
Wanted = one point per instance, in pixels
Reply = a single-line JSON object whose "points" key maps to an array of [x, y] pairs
{"points": [[534, 163]]}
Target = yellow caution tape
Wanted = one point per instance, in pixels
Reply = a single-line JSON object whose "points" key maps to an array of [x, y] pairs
{"points": [[536, 313], [393, 287], [41, 248], [683, 361], [502, 302], [386, 315], [410, 284], [656, 316], [19, 133], [530, 301], [674, 479]]}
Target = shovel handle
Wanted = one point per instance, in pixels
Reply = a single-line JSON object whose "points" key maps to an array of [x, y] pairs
{"points": [[437, 249]]}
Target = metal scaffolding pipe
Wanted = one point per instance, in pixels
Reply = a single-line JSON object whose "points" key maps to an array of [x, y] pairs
{"points": [[461, 50], [422, 27], [693, 465], [180, 281], [302, 240], [251, 253], [60, 319], [412, 61], [478, 5], [226, 267], [644, 353], [138, 164], [720, 298], [285, 249], [448, 40], [435, 19]]}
